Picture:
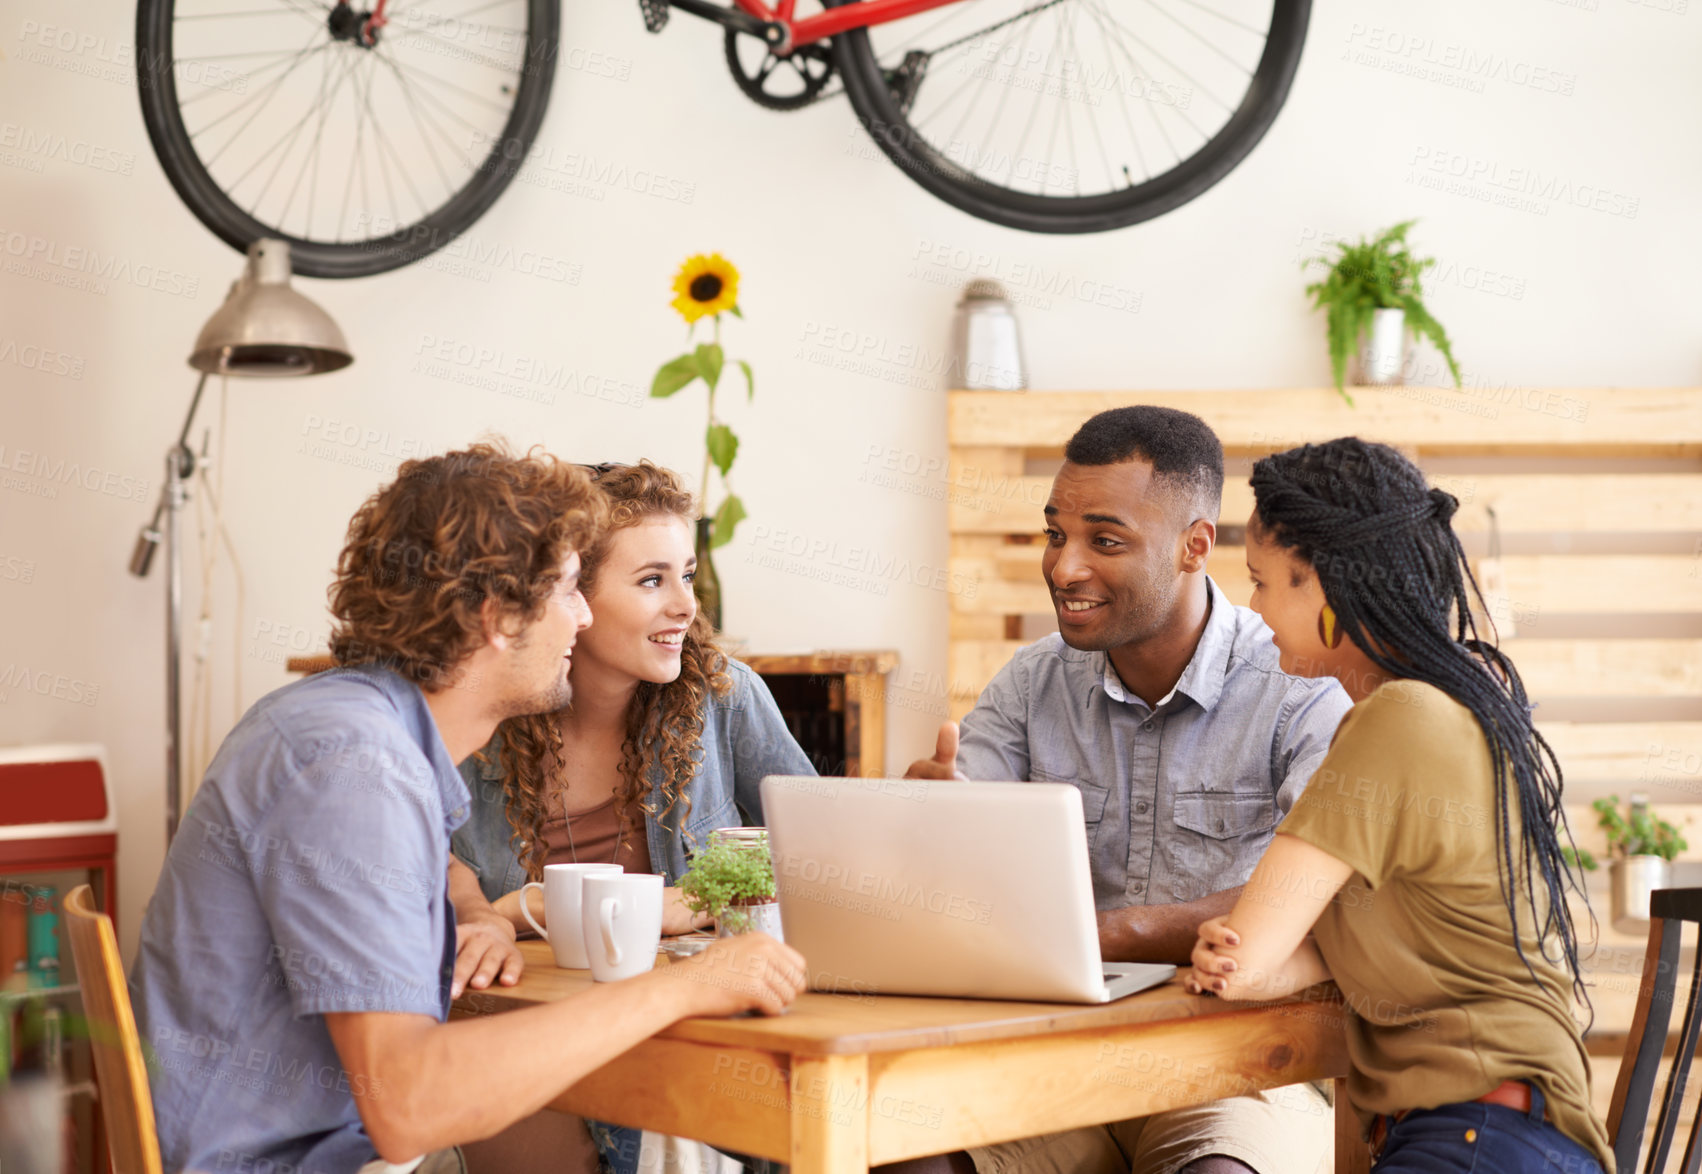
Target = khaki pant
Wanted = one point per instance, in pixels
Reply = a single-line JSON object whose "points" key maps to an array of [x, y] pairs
{"points": [[1288, 1130]]}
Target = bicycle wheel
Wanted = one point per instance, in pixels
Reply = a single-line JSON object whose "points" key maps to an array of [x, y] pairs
{"points": [[365, 146], [1073, 116]]}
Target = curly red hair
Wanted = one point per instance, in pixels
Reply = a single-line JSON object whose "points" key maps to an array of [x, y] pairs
{"points": [[664, 723], [425, 552]]}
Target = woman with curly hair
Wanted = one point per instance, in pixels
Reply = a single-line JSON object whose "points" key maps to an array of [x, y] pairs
{"points": [[665, 740], [1422, 868]]}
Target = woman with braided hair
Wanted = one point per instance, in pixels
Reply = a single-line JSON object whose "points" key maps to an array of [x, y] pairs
{"points": [[1437, 809]]}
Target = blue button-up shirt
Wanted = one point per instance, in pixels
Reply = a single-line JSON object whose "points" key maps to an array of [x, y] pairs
{"points": [[308, 877], [1180, 798]]}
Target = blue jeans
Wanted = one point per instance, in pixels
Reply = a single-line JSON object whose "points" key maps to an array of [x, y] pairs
{"points": [[1503, 1141]]}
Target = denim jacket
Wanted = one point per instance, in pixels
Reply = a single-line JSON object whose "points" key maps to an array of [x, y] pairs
{"points": [[744, 740]]}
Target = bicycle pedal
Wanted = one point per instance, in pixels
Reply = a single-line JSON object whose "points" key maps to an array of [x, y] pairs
{"points": [[656, 14]]}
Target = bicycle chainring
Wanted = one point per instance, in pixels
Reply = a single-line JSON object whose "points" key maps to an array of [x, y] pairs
{"points": [[781, 83]]}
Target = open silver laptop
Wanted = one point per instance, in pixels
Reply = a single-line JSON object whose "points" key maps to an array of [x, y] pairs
{"points": [[973, 890]]}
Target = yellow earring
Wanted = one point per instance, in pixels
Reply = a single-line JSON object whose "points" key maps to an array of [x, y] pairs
{"points": [[1328, 632]]}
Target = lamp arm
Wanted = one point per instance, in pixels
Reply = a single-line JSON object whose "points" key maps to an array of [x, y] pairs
{"points": [[189, 420], [183, 459]]}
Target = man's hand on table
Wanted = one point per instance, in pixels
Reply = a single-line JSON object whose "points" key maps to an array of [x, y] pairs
{"points": [[485, 950], [747, 972], [484, 938], [943, 765]]}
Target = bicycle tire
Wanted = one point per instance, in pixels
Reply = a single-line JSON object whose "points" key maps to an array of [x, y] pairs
{"points": [[877, 109], [201, 193]]}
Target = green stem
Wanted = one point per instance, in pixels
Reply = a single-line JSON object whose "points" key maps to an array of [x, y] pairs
{"points": [[703, 499]]}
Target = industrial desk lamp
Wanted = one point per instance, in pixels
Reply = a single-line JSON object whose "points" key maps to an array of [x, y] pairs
{"points": [[264, 330]]}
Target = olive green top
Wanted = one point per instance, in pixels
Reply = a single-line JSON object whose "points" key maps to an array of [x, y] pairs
{"points": [[1420, 941]]}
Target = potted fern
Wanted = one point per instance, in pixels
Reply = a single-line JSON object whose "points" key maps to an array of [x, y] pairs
{"points": [[732, 880], [1372, 301], [1643, 848]]}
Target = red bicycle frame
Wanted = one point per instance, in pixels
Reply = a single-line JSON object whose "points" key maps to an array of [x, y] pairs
{"points": [[836, 20]]}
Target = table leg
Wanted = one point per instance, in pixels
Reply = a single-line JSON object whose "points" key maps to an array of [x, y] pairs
{"points": [[830, 1114], [1353, 1156]]}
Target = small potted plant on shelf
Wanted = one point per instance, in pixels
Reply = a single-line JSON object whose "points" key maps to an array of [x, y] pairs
{"points": [[1643, 848], [732, 880], [1372, 299]]}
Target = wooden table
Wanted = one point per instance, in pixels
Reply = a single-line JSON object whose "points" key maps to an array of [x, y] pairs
{"points": [[845, 1081]]}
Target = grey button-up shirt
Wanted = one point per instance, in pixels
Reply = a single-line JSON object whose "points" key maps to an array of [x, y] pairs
{"points": [[309, 876], [1182, 798]]}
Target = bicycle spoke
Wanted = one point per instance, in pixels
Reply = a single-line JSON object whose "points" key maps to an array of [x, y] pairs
{"points": [[250, 76], [467, 54], [1139, 40], [265, 98], [1141, 70], [1004, 95], [1129, 120], [385, 144], [231, 56], [419, 121], [1260, 33], [429, 76], [1246, 72], [319, 141]]}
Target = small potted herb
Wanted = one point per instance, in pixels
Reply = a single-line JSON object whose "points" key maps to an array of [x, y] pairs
{"points": [[732, 880], [1643, 848], [1371, 300]]}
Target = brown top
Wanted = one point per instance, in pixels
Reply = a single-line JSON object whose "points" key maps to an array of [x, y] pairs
{"points": [[591, 839], [1420, 941]]}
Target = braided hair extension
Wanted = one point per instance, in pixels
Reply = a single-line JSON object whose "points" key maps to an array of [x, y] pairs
{"points": [[1396, 576]]}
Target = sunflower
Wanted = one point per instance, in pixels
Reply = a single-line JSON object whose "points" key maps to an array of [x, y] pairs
{"points": [[705, 286]]}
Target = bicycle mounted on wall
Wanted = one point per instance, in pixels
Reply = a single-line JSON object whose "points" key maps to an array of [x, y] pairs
{"points": [[370, 137]]}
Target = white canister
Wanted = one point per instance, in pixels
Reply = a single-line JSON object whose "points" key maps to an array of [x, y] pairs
{"points": [[987, 349]]}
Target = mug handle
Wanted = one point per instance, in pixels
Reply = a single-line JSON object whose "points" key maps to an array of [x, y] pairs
{"points": [[606, 912], [526, 908]]}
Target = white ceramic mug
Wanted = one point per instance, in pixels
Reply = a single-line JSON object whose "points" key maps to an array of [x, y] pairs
{"points": [[563, 902], [623, 923]]}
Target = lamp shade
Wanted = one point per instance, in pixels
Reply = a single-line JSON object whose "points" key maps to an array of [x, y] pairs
{"points": [[267, 329]]}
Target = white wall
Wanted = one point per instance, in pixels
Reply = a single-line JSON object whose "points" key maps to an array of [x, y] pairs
{"points": [[832, 241]]}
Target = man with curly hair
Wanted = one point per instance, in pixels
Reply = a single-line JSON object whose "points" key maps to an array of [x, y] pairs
{"points": [[296, 962]]}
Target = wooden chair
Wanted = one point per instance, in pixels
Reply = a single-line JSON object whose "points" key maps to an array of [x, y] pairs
{"points": [[1669, 909], [125, 1104]]}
